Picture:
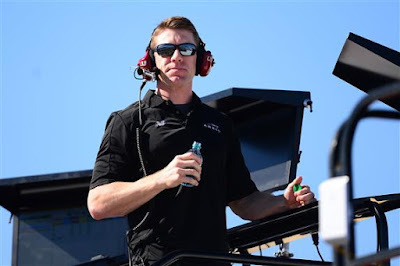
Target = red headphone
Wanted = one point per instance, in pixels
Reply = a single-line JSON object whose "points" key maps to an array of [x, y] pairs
{"points": [[204, 62]]}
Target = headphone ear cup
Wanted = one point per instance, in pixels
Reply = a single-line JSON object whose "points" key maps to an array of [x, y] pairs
{"points": [[146, 62], [147, 67], [205, 62]]}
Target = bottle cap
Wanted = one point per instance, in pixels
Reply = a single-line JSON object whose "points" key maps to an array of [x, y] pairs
{"points": [[196, 145]]}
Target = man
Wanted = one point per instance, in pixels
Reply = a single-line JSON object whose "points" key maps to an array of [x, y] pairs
{"points": [[176, 216]]}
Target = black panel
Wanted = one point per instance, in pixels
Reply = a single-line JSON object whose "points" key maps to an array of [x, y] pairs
{"points": [[68, 237], [368, 65], [268, 123]]}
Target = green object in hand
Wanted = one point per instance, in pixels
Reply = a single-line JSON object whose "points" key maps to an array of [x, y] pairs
{"points": [[297, 187]]}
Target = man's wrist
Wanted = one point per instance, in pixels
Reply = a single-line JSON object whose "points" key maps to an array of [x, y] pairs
{"points": [[156, 180], [285, 204]]}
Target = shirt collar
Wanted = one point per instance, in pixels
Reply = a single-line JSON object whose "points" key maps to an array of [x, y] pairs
{"points": [[153, 100]]}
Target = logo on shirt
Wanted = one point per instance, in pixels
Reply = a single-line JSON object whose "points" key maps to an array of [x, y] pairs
{"points": [[160, 123], [212, 127]]}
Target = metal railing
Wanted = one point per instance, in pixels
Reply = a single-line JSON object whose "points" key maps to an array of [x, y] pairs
{"points": [[341, 164]]}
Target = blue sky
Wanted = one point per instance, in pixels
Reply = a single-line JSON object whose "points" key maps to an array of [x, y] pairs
{"points": [[66, 65]]}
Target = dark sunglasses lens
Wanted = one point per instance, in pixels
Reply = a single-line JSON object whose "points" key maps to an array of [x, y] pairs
{"points": [[168, 49], [187, 49], [165, 49]]}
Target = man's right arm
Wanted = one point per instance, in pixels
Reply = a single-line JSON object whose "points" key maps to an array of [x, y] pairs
{"points": [[120, 198]]}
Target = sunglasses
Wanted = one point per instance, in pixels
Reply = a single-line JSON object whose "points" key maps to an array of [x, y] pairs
{"points": [[168, 49]]}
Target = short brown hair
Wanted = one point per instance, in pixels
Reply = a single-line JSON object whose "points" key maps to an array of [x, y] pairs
{"points": [[175, 22]]}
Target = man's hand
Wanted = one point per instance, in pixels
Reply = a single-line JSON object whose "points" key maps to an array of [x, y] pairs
{"points": [[178, 170], [120, 198], [298, 198]]}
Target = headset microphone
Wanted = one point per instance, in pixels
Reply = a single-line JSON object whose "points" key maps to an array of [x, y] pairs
{"points": [[149, 75]]}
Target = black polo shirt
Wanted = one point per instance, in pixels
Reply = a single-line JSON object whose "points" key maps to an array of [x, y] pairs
{"points": [[195, 218]]}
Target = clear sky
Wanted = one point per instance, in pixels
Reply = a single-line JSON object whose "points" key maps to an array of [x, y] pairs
{"points": [[66, 65]]}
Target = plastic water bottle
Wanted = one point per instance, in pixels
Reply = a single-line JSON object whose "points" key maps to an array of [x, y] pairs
{"points": [[196, 146]]}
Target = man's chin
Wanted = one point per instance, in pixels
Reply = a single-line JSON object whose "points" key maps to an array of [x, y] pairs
{"points": [[178, 79]]}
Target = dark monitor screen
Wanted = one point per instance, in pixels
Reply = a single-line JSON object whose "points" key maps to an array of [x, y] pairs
{"points": [[268, 124], [67, 237], [269, 146]]}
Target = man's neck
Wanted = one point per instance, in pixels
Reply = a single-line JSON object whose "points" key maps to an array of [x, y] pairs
{"points": [[177, 95]]}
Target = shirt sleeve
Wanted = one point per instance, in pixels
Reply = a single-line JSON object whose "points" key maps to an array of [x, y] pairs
{"points": [[117, 157], [239, 182]]}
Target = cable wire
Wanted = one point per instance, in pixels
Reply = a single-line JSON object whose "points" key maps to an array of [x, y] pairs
{"points": [[319, 253], [315, 239]]}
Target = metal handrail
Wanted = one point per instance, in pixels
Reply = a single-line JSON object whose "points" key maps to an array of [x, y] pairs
{"points": [[382, 256], [181, 255], [340, 155]]}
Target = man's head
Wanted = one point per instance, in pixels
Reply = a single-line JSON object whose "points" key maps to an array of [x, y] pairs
{"points": [[180, 23], [174, 45]]}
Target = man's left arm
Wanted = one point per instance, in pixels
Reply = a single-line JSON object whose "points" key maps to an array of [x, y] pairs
{"points": [[261, 204]]}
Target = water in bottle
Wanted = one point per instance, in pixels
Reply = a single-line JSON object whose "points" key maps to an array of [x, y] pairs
{"points": [[196, 146]]}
